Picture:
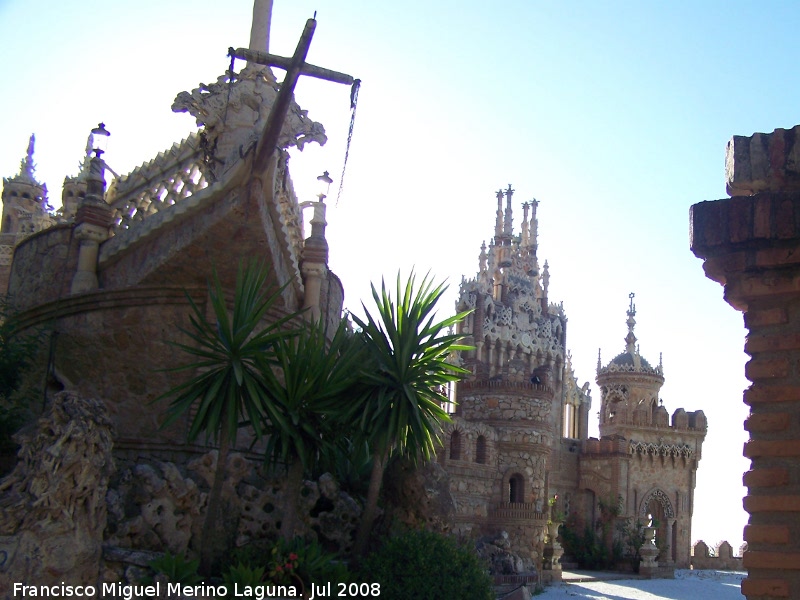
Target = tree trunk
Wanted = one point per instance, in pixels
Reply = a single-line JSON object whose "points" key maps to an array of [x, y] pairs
{"points": [[371, 505], [294, 484], [212, 540]]}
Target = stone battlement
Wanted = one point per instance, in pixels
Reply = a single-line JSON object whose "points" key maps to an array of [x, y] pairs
{"points": [[720, 558]]}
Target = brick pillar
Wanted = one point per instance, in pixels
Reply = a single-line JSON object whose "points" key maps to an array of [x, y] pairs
{"points": [[751, 245]]}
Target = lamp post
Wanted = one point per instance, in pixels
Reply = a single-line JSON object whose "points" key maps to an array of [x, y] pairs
{"points": [[324, 182], [93, 217], [96, 180], [315, 251]]}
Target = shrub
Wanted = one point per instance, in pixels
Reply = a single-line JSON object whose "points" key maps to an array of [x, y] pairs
{"points": [[177, 568], [422, 565]]}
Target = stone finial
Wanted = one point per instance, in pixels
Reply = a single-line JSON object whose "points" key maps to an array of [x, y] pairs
{"points": [[507, 222], [498, 226], [27, 166], [482, 258], [525, 236], [630, 339]]}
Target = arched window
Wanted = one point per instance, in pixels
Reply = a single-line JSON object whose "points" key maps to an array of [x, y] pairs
{"points": [[516, 488], [455, 445], [480, 450]]}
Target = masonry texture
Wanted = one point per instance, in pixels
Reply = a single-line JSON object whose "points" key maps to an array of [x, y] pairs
{"points": [[751, 245], [518, 450]]}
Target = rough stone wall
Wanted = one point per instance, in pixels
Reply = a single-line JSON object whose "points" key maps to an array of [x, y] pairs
{"points": [[115, 345], [52, 507], [43, 267], [751, 245]]}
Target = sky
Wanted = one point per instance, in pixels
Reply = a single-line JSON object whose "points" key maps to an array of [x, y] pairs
{"points": [[614, 115]]}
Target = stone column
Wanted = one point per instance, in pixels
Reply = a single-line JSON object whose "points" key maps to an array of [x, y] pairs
{"points": [[668, 558], [314, 267], [92, 223], [751, 245]]}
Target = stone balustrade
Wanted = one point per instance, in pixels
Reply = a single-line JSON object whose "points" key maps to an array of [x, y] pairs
{"points": [[169, 178]]}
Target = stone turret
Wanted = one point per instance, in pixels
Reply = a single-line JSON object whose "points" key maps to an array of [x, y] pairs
{"points": [[25, 207], [629, 387], [25, 211]]}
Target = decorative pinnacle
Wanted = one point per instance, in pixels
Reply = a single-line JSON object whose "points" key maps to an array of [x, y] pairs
{"points": [[630, 339], [498, 227], [26, 165], [507, 222]]}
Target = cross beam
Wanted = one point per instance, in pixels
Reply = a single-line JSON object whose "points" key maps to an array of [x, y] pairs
{"points": [[295, 67], [273, 60]]}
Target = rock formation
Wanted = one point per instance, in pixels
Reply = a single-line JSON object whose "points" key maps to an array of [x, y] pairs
{"points": [[53, 508]]}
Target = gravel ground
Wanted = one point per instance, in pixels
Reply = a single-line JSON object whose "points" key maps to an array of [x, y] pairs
{"points": [[687, 585]]}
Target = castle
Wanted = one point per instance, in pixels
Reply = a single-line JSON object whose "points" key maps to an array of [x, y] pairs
{"points": [[518, 450], [110, 275], [520, 433]]}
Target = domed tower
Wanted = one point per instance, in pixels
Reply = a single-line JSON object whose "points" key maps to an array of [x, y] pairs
{"points": [[629, 388], [644, 460], [25, 208]]}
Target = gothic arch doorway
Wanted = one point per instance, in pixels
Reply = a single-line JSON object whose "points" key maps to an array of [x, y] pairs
{"points": [[657, 504]]}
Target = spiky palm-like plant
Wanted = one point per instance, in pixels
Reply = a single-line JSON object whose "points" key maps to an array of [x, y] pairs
{"points": [[314, 378], [226, 384], [401, 408]]}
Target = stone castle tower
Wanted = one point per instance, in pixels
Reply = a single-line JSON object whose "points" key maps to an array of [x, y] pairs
{"points": [[25, 210], [520, 433]]}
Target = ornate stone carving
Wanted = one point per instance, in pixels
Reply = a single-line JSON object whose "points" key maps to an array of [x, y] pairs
{"points": [[659, 495], [233, 116]]}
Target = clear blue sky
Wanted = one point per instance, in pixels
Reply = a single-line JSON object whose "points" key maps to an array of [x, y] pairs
{"points": [[614, 115]]}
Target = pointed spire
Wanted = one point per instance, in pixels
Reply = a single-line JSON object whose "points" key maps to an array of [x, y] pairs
{"points": [[83, 166], [599, 361], [525, 209], [507, 224], [498, 226], [482, 258], [26, 166], [630, 339], [534, 227]]}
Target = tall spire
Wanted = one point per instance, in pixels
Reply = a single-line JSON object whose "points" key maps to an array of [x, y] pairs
{"points": [[26, 165], [498, 226], [534, 227], [507, 224], [523, 242], [630, 339]]}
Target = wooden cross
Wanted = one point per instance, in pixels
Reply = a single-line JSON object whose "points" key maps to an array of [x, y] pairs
{"points": [[295, 67]]}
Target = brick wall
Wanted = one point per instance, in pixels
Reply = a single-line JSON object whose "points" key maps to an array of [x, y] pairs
{"points": [[751, 245]]}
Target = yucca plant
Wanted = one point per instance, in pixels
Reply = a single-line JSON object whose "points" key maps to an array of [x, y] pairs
{"points": [[401, 408], [226, 384], [314, 378]]}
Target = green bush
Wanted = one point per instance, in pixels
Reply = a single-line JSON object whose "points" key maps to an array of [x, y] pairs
{"points": [[585, 547], [177, 569], [242, 575], [421, 565], [298, 562]]}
